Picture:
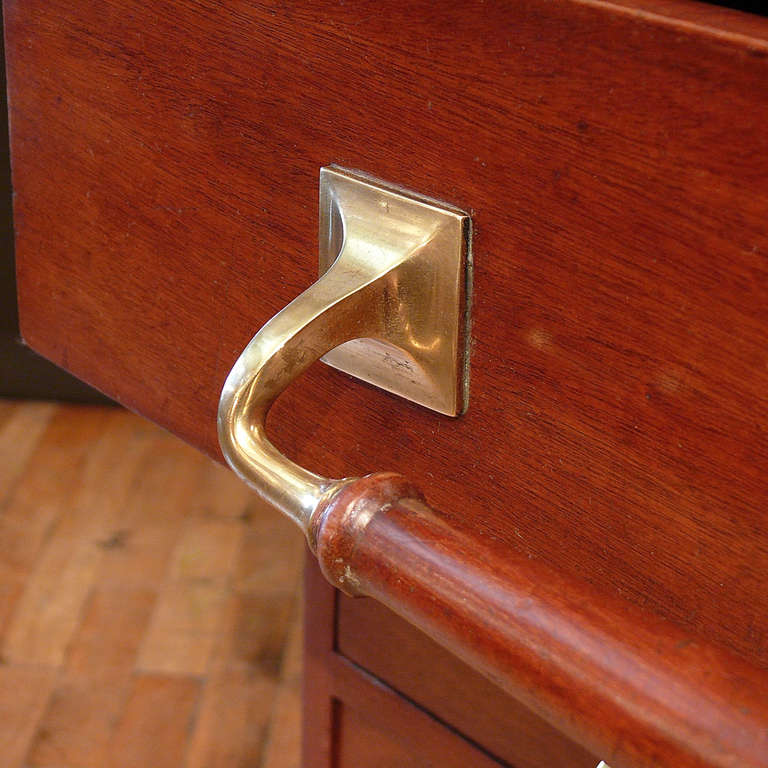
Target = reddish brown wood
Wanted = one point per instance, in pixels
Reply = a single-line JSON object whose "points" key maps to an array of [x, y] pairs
{"points": [[413, 728], [317, 692], [362, 745], [355, 719], [634, 689], [362, 742], [393, 650]]}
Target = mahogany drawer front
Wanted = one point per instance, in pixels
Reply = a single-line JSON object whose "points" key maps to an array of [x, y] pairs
{"points": [[419, 669], [361, 743]]}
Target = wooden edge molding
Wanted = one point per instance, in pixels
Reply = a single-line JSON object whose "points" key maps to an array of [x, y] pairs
{"points": [[696, 18], [633, 688]]}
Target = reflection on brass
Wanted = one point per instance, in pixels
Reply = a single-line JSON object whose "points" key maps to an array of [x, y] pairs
{"points": [[417, 349], [390, 307]]}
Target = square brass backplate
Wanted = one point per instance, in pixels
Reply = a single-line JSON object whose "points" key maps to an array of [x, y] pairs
{"points": [[421, 352]]}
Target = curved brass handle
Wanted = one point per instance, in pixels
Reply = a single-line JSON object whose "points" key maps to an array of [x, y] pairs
{"points": [[397, 279], [335, 309]]}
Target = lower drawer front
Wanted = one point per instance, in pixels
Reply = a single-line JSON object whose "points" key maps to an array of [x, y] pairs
{"points": [[361, 743], [412, 664]]}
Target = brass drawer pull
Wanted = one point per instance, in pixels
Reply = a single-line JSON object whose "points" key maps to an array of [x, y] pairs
{"points": [[396, 279]]}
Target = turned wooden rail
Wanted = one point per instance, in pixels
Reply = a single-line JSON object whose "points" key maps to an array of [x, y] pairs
{"points": [[631, 687]]}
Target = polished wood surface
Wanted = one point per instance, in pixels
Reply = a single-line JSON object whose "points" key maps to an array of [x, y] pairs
{"points": [[437, 681], [352, 718], [362, 744], [148, 603], [626, 685]]}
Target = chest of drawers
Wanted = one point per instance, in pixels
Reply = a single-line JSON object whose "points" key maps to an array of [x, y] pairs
{"points": [[614, 160]]}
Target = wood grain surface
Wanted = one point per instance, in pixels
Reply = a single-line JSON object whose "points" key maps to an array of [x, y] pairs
{"points": [[352, 718], [436, 680], [615, 162], [636, 690]]}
